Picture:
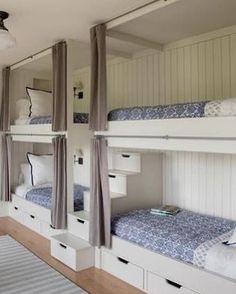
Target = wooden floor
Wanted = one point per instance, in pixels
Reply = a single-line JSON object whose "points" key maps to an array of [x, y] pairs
{"points": [[92, 280]]}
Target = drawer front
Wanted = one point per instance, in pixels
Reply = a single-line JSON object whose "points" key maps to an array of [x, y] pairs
{"points": [[159, 285], [17, 214], [118, 183], [127, 161], [48, 231], [32, 222], [123, 269], [78, 227], [63, 253]]}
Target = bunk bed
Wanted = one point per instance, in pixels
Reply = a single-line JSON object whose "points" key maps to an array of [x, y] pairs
{"points": [[156, 254]]}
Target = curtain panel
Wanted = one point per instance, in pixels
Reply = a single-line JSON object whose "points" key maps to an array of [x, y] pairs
{"points": [[59, 188], [98, 99], [59, 81], [6, 168], [100, 203], [5, 102]]}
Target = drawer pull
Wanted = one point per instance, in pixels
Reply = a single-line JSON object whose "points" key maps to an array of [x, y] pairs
{"points": [[112, 176], [32, 216], [16, 208], [122, 260], [52, 227], [173, 284], [125, 155], [80, 221], [63, 246]]}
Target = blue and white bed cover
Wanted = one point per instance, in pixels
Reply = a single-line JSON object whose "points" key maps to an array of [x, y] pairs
{"points": [[79, 118], [182, 110], [186, 236], [43, 196]]}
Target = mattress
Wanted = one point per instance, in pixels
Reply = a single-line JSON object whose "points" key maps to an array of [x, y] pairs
{"points": [[79, 118], [186, 236], [183, 110], [42, 195]]}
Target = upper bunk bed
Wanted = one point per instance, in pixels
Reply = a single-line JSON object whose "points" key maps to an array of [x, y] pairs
{"points": [[31, 92], [177, 91]]}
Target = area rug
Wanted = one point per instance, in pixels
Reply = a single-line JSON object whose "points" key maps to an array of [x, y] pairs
{"points": [[22, 272]]}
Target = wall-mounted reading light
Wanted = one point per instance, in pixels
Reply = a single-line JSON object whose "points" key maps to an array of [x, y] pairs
{"points": [[78, 90], [79, 157]]}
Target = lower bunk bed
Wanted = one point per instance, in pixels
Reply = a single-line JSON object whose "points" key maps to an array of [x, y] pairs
{"points": [[31, 206], [172, 254]]}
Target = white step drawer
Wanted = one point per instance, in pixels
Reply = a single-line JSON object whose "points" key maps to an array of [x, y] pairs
{"points": [[47, 230], [72, 251], [32, 222], [78, 225], [127, 161], [159, 285], [117, 183], [123, 269], [17, 214]]}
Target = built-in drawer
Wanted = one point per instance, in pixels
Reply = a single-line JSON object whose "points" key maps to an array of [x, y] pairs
{"points": [[117, 183], [78, 224], [32, 222], [47, 230], [72, 251], [128, 161], [159, 285], [123, 269], [17, 214]]}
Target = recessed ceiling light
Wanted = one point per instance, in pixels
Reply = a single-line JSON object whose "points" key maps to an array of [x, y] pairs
{"points": [[6, 39]]}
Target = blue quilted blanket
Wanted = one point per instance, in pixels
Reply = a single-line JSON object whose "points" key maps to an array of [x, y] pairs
{"points": [[175, 236], [43, 196], [79, 118]]}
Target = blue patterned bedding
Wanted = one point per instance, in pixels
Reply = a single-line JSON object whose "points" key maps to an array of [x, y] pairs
{"points": [[176, 236], [43, 196], [182, 110], [186, 110], [79, 118]]}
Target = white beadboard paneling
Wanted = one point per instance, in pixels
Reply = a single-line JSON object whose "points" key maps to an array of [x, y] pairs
{"points": [[202, 71], [200, 182]]}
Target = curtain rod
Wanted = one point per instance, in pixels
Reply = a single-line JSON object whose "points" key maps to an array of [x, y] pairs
{"points": [[30, 57], [168, 137], [36, 135], [137, 12]]}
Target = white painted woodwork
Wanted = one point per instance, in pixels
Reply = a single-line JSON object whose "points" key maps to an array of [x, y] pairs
{"points": [[72, 251], [78, 224], [156, 283], [123, 269]]}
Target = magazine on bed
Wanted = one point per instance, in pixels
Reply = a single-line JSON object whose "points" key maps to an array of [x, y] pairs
{"points": [[165, 210]]}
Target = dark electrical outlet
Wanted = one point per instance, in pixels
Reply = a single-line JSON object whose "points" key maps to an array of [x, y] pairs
{"points": [[80, 160], [81, 95]]}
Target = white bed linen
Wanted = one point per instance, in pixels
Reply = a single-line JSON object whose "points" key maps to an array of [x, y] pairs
{"points": [[22, 121], [221, 259]]}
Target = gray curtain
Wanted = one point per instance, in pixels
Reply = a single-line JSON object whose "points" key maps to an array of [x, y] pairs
{"points": [[98, 99], [6, 168], [59, 189], [59, 81], [5, 103], [100, 203]]}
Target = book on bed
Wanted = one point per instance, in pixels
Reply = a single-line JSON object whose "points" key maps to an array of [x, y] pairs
{"points": [[165, 210]]}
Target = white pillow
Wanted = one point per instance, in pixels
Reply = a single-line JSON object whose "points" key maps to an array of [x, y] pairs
{"points": [[41, 102], [41, 168], [26, 173], [232, 240], [228, 107], [23, 108]]}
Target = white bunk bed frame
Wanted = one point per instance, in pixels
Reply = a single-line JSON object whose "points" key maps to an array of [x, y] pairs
{"points": [[144, 269]]}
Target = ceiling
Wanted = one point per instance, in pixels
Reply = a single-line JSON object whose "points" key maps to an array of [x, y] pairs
{"points": [[182, 19], [39, 24]]}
